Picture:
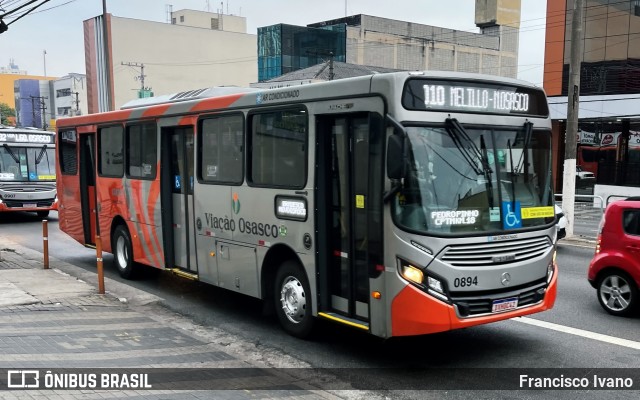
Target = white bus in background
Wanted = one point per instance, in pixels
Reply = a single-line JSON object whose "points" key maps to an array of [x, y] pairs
{"points": [[27, 170]]}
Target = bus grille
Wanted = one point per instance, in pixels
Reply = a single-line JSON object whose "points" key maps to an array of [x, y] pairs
{"points": [[20, 203], [472, 306], [494, 253], [22, 188]]}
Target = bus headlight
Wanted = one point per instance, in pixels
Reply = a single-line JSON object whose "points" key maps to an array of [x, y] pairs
{"points": [[411, 273]]}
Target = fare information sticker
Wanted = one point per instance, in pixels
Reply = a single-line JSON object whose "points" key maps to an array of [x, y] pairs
{"points": [[537, 212]]}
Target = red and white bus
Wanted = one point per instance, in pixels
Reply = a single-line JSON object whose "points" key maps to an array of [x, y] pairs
{"points": [[27, 170], [399, 204]]}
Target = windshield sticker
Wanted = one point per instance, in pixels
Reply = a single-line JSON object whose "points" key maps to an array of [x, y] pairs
{"points": [[460, 217], [359, 201], [7, 175], [494, 214], [511, 215], [46, 177], [538, 212]]}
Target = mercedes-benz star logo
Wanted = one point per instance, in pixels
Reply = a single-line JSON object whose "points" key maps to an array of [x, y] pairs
{"points": [[506, 279]]}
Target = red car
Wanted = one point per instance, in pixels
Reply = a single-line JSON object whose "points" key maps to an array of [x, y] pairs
{"points": [[615, 268]]}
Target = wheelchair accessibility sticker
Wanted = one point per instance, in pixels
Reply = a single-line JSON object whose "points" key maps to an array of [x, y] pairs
{"points": [[511, 215]]}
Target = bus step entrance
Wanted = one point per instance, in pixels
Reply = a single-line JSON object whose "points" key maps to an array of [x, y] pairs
{"points": [[345, 320], [184, 274]]}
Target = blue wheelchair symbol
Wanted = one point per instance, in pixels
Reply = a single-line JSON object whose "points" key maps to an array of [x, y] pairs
{"points": [[33, 176], [511, 219], [177, 184]]}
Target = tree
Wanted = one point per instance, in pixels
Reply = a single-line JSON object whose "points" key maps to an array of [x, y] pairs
{"points": [[5, 113]]}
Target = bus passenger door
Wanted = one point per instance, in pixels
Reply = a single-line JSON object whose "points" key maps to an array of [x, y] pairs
{"points": [[350, 185], [177, 164], [88, 187]]}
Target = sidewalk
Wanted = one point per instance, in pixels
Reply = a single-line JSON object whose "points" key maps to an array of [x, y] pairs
{"points": [[52, 319]]}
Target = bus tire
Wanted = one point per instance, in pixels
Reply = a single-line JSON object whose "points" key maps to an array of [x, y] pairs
{"points": [[43, 214], [292, 300], [123, 252]]}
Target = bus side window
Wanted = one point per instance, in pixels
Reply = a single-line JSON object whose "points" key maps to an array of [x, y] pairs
{"points": [[278, 143], [221, 149]]}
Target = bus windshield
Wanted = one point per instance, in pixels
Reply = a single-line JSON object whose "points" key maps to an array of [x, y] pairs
{"points": [[475, 180], [27, 164]]}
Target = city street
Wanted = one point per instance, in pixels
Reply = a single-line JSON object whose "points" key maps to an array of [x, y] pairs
{"points": [[577, 333]]}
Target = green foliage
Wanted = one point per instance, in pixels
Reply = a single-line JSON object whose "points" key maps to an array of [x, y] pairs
{"points": [[6, 112]]}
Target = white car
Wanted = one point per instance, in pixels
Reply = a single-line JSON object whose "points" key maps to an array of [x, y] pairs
{"points": [[561, 225]]}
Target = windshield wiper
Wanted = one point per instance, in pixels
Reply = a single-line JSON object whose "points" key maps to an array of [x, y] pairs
{"points": [[513, 176], [39, 158], [470, 152], [487, 171], [11, 153], [522, 162]]}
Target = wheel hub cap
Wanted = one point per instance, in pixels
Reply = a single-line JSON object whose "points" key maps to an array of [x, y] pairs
{"points": [[293, 299]]}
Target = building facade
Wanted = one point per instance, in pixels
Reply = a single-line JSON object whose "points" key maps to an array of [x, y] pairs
{"points": [[145, 56], [70, 94], [382, 42], [609, 114], [34, 103]]}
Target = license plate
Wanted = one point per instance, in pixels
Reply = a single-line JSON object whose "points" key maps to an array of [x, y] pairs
{"points": [[504, 304], [29, 205]]}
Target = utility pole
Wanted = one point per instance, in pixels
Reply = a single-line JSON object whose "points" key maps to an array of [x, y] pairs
{"points": [[573, 106], [77, 101], [140, 77], [43, 107], [44, 59]]}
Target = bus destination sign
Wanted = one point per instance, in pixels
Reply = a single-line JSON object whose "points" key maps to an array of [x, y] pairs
{"points": [[462, 96], [25, 137]]}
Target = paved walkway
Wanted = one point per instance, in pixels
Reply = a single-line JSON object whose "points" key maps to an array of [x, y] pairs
{"points": [[50, 319]]}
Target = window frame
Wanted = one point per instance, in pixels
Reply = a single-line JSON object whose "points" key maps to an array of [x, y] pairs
{"points": [[60, 145], [126, 146], [99, 150], [249, 146], [200, 147], [625, 212]]}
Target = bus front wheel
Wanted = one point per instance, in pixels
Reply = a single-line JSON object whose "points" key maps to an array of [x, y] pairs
{"points": [[293, 300], [123, 252]]}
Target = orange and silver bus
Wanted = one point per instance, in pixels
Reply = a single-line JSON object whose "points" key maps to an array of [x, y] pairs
{"points": [[27, 170], [399, 204]]}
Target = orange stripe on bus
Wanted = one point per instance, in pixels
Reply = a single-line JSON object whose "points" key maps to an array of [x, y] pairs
{"points": [[156, 111], [93, 119], [216, 103], [154, 193]]}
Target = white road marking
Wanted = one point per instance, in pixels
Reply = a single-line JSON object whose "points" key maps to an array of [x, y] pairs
{"points": [[580, 332], [592, 246]]}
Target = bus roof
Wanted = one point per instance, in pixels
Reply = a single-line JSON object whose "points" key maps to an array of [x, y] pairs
{"points": [[28, 129], [216, 98]]}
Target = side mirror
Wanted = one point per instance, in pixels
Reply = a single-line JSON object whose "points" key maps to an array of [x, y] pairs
{"points": [[396, 157]]}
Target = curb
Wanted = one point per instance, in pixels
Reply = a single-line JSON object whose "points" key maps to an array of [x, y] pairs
{"points": [[124, 293]]}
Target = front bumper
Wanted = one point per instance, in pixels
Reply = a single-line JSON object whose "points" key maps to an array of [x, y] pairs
{"points": [[413, 312]]}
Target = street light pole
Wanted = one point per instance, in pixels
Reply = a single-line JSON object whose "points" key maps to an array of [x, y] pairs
{"points": [[44, 58]]}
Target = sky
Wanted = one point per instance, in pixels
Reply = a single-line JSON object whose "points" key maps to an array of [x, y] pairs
{"points": [[57, 29]]}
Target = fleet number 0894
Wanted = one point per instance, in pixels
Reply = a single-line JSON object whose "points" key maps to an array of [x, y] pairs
{"points": [[466, 281]]}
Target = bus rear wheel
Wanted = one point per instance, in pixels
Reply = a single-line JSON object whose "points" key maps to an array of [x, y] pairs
{"points": [[292, 298], [43, 214], [123, 252]]}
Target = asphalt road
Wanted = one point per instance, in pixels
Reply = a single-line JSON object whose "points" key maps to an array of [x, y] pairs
{"points": [[577, 333]]}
